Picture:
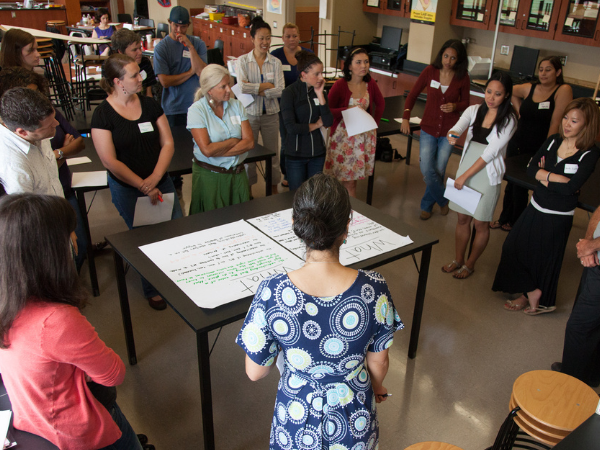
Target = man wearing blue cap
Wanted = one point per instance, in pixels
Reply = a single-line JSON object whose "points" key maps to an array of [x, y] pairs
{"points": [[178, 61]]}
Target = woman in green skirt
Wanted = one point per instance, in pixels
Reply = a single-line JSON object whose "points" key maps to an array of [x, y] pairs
{"points": [[222, 137], [490, 126]]}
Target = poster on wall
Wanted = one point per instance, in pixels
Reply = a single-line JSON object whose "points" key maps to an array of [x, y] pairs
{"points": [[423, 11], [274, 6]]}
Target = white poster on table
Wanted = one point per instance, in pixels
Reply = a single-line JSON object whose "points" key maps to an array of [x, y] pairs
{"points": [[358, 121], [366, 238], [222, 264]]}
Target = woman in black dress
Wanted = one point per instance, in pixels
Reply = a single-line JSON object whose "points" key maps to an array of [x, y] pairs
{"points": [[540, 106], [533, 251]]}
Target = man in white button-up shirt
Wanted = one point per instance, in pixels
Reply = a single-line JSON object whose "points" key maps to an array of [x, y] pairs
{"points": [[27, 162]]}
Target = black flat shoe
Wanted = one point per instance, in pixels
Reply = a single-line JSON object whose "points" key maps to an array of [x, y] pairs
{"points": [[142, 438]]}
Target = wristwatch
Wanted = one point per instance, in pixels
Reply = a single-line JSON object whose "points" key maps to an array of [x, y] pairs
{"points": [[60, 155]]}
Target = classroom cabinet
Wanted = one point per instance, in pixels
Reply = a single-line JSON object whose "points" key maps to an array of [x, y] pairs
{"points": [[236, 40], [578, 23], [533, 18], [472, 13], [398, 8], [573, 21]]}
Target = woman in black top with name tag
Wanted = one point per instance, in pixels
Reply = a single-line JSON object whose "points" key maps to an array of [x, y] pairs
{"points": [[133, 139], [540, 107], [533, 251]]}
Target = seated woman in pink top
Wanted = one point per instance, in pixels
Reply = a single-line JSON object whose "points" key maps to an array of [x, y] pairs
{"points": [[48, 350]]}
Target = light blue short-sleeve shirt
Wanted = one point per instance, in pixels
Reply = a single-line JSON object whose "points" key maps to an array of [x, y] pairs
{"points": [[201, 115], [172, 58]]}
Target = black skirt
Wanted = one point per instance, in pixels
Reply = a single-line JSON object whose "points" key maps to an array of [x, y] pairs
{"points": [[532, 254]]}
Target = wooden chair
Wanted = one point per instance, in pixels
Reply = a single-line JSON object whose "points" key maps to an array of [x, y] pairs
{"points": [[545, 406], [433, 445]]}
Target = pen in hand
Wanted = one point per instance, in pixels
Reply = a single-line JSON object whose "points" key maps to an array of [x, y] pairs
{"points": [[160, 198]]}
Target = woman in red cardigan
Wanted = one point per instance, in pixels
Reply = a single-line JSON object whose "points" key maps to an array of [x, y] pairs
{"points": [[447, 83], [352, 158]]}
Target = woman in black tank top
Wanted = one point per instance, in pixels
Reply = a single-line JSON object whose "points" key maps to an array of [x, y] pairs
{"points": [[540, 107]]}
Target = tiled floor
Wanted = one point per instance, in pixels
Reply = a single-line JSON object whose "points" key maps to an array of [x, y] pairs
{"points": [[457, 390]]}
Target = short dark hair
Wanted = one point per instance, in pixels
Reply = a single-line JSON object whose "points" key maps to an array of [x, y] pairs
{"points": [[321, 212], [24, 108], [462, 61], [557, 64], [13, 42], [36, 263], [587, 136], [123, 39], [306, 59], [258, 23], [12, 77], [346, 70], [114, 67], [102, 12]]}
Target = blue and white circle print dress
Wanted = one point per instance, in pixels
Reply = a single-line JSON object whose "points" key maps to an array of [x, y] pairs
{"points": [[324, 398]]}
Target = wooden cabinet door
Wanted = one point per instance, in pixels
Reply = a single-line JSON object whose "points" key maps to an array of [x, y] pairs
{"points": [[539, 18], [241, 43], [578, 23], [385, 83], [379, 9], [473, 13]]}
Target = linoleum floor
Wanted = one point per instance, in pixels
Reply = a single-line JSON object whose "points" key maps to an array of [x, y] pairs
{"points": [[457, 390]]}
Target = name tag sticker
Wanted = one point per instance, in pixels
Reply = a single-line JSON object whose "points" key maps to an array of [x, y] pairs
{"points": [[146, 127], [186, 54], [286, 68], [143, 74], [544, 105], [571, 168], [270, 76], [435, 84], [235, 120], [317, 101]]}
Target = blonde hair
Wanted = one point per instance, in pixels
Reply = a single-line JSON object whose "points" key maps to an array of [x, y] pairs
{"points": [[290, 25], [211, 76]]}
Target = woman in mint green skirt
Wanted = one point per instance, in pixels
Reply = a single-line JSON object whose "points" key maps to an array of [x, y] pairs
{"points": [[490, 126]]}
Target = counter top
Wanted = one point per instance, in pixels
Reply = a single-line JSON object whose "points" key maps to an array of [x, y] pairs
{"points": [[41, 8]]}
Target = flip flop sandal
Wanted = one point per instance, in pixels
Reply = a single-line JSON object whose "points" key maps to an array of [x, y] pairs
{"points": [[512, 305], [462, 270], [506, 227], [539, 310], [454, 265], [495, 225]]}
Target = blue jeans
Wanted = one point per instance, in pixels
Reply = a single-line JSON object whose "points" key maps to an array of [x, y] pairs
{"points": [[301, 169], [82, 241], [128, 440], [125, 198], [433, 158]]}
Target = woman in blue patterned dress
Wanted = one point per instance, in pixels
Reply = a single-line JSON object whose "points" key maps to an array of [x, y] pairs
{"points": [[328, 320]]}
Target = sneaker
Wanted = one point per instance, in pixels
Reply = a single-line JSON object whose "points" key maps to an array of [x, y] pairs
{"points": [[425, 215]]}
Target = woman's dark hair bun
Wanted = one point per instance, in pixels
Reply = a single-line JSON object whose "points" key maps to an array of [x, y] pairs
{"points": [[305, 59], [256, 24], [321, 212]]}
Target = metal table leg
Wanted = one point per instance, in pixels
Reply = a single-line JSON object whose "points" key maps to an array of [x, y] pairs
{"points": [[125, 311], [269, 175], [419, 302], [90, 249], [205, 390], [370, 186]]}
